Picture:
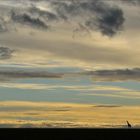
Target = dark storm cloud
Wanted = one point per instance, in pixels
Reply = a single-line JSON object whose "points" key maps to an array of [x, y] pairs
{"points": [[26, 18], [5, 52]]}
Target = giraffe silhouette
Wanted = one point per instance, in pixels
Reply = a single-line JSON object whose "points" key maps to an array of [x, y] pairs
{"points": [[128, 124]]}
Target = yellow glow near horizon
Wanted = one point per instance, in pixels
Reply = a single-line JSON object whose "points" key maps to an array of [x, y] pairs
{"points": [[65, 114]]}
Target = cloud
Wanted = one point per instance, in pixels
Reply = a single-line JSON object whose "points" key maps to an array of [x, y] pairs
{"points": [[5, 52], [111, 22], [3, 25], [93, 15], [67, 17], [47, 15], [134, 2], [24, 73], [115, 75], [107, 106], [113, 95], [107, 19], [26, 18], [82, 115], [68, 87]]}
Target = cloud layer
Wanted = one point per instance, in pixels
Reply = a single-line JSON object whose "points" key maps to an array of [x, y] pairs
{"points": [[96, 15], [90, 33], [27, 74], [115, 75], [6, 53], [26, 18]]}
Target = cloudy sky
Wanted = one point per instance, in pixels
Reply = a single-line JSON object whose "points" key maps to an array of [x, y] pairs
{"points": [[49, 50], [86, 34]]}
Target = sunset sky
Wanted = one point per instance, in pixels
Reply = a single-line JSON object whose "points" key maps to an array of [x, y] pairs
{"points": [[87, 34], [61, 58]]}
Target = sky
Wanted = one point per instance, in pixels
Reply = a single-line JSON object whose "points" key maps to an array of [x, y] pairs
{"points": [[81, 34], [77, 61]]}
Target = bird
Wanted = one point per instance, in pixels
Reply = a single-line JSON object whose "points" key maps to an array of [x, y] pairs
{"points": [[128, 124]]}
